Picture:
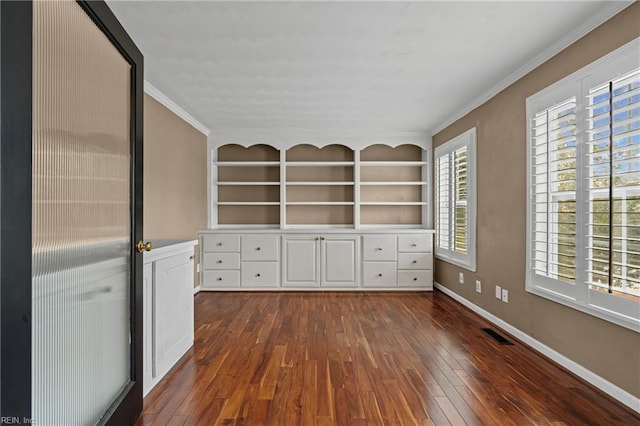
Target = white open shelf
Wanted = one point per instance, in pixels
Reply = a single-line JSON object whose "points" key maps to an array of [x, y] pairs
{"points": [[393, 203], [319, 163], [382, 183], [304, 178], [392, 163], [320, 203], [310, 183], [247, 163], [248, 203], [228, 183]]}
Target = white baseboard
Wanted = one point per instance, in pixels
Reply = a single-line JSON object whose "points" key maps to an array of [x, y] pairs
{"points": [[607, 387], [196, 290]]}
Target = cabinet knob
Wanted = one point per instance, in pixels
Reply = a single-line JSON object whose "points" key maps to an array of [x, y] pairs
{"points": [[379, 248], [219, 279], [219, 244], [322, 238], [317, 238], [257, 275], [414, 245], [257, 248], [415, 279], [379, 275], [219, 261], [414, 261], [190, 257]]}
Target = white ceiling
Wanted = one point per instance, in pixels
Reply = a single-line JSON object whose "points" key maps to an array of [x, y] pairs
{"points": [[308, 70]]}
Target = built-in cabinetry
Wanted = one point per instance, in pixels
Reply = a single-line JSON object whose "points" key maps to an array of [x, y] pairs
{"points": [[167, 308], [308, 217], [339, 259], [320, 261], [306, 186]]}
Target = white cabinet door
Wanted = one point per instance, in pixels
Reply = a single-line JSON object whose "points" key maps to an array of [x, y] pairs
{"points": [[340, 261], [259, 247], [379, 247], [259, 274], [379, 274], [300, 261], [173, 331], [147, 309]]}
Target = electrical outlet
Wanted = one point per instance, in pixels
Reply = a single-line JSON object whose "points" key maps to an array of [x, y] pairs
{"points": [[498, 292], [461, 278], [505, 295], [478, 286]]}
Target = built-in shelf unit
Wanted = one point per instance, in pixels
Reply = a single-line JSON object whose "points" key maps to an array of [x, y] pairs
{"points": [[308, 186]]}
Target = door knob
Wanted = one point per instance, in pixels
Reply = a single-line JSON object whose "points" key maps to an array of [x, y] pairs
{"points": [[142, 246]]}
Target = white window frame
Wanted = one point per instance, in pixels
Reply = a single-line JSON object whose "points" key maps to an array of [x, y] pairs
{"points": [[579, 296], [468, 140]]}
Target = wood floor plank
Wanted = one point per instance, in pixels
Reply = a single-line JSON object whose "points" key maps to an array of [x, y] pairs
{"points": [[363, 359]]}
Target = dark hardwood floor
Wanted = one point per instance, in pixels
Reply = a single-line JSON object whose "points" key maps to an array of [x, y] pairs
{"points": [[363, 359]]}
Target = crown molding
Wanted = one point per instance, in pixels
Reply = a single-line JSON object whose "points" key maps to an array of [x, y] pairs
{"points": [[175, 108], [612, 9]]}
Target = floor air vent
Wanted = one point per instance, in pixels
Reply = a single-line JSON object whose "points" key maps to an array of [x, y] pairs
{"points": [[497, 337]]}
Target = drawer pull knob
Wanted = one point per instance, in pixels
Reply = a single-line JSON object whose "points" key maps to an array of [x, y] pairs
{"points": [[219, 261], [415, 261], [219, 244], [322, 238], [257, 248], [317, 238], [190, 257], [219, 279], [414, 245], [379, 275], [379, 248], [257, 275], [415, 279]]}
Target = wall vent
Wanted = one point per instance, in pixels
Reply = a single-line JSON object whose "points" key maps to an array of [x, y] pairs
{"points": [[496, 336]]}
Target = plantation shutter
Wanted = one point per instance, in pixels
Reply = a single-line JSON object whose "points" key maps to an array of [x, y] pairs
{"points": [[443, 220], [554, 192], [613, 244]]}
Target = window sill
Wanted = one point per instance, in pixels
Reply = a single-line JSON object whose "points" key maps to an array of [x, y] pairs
{"points": [[458, 262], [603, 314]]}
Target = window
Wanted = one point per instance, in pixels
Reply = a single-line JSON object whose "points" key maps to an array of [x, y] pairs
{"points": [[583, 211], [455, 172]]}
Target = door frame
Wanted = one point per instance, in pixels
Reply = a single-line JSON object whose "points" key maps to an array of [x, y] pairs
{"points": [[16, 77]]}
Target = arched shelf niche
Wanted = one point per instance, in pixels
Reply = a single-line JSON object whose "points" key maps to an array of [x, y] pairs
{"points": [[380, 185], [246, 186]]}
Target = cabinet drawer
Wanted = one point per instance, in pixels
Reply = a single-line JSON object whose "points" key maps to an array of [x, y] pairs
{"points": [[221, 261], [415, 243], [260, 247], [415, 279], [259, 274], [379, 274], [379, 247], [221, 279], [415, 261], [220, 242]]}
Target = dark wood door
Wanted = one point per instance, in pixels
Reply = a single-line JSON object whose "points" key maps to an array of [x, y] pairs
{"points": [[71, 119]]}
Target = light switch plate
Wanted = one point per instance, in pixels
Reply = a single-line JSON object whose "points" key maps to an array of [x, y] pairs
{"points": [[498, 292], [478, 286], [505, 295], [461, 278]]}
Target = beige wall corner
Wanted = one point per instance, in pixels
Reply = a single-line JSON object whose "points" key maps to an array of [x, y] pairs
{"points": [[175, 175], [604, 348]]}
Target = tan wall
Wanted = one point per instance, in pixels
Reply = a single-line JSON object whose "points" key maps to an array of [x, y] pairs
{"points": [[175, 175], [608, 350]]}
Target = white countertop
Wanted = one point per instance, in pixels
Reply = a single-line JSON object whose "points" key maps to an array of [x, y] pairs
{"points": [[241, 230]]}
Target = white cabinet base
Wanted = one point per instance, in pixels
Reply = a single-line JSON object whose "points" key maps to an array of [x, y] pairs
{"points": [[168, 309], [316, 260]]}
